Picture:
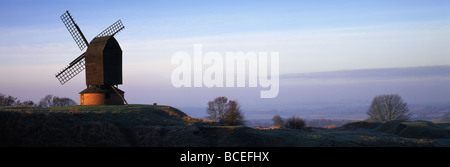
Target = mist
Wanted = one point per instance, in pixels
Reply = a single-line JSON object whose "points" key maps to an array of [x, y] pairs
{"points": [[337, 94], [333, 94]]}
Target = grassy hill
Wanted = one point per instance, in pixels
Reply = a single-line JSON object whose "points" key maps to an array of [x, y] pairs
{"points": [[161, 126]]}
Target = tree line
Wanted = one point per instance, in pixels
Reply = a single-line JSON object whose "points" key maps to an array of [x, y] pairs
{"points": [[384, 107], [47, 101]]}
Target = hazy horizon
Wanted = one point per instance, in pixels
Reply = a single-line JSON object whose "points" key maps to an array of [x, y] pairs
{"points": [[299, 93]]}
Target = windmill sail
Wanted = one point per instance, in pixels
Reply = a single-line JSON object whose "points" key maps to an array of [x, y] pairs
{"points": [[112, 29], [73, 69], [78, 65], [74, 30]]}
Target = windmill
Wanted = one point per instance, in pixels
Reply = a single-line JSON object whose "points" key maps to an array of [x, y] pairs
{"points": [[102, 61]]}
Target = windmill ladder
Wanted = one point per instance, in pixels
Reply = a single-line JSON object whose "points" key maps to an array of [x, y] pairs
{"points": [[120, 95]]}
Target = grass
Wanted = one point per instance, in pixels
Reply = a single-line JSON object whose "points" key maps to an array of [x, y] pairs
{"points": [[161, 126], [84, 125], [360, 125], [415, 129]]}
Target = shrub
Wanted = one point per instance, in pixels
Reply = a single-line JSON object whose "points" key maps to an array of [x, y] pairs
{"points": [[295, 122]]}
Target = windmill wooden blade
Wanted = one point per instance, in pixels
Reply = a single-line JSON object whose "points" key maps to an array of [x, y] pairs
{"points": [[112, 29], [74, 30], [74, 68]]}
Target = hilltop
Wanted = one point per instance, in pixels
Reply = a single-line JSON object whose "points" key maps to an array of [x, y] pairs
{"points": [[151, 125]]}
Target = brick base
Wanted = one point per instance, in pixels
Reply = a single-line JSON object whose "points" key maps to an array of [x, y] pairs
{"points": [[101, 99]]}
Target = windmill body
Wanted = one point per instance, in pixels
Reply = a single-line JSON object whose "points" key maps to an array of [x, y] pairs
{"points": [[102, 61]]}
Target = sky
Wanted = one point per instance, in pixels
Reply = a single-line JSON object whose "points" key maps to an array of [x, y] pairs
{"points": [[310, 36]]}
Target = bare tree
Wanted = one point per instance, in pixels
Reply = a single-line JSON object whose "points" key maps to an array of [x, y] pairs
{"points": [[216, 108], [388, 107], [28, 103], [51, 101], [63, 101], [47, 101], [224, 111], [233, 115], [278, 121], [7, 101]]}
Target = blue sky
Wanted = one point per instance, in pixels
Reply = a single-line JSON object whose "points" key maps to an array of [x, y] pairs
{"points": [[311, 36], [320, 24], [174, 19]]}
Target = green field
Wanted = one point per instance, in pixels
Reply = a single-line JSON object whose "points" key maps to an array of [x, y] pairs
{"points": [[165, 126]]}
